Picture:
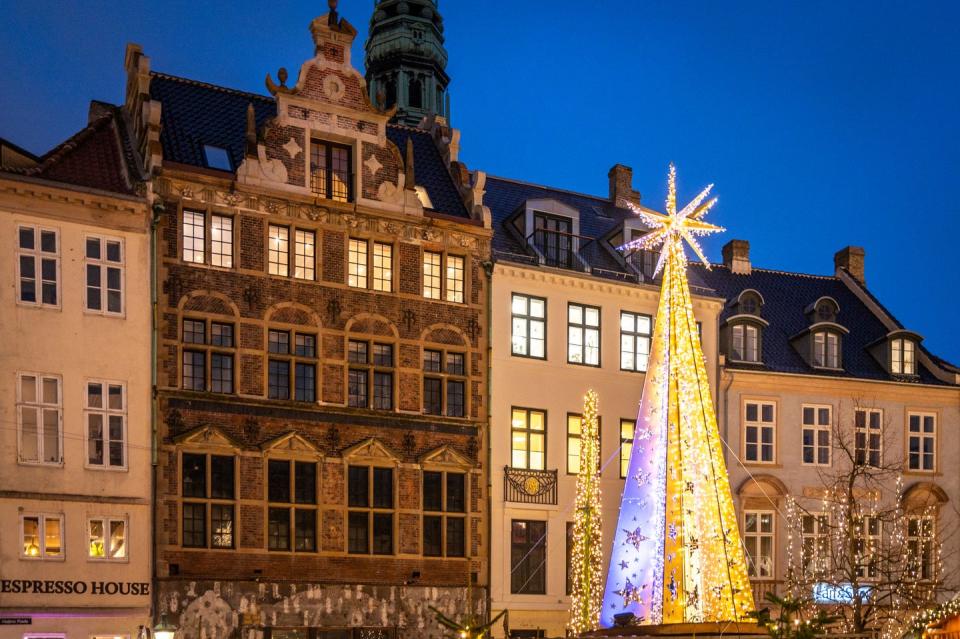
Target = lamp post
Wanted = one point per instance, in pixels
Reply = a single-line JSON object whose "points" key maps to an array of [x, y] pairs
{"points": [[164, 629]]}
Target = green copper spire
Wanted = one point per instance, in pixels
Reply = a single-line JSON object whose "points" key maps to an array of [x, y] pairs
{"points": [[406, 60]]}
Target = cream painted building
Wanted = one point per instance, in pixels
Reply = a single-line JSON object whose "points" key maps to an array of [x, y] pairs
{"points": [[75, 479]]}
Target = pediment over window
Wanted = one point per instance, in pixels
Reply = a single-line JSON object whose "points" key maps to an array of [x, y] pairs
{"points": [[370, 450], [761, 492], [924, 495], [290, 443], [445, 456], [207, 436]]}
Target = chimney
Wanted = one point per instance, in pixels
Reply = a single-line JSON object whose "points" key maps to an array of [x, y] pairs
{"points": [[736, 256], [621, 186], [851, 259]]}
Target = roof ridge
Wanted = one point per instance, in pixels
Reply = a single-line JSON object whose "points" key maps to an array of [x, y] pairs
{"points": [[57, 153], [553, 188], [209, 85], [775, 271]]}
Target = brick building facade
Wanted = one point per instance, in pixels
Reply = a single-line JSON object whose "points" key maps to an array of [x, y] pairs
{"points": [[321, 366]]}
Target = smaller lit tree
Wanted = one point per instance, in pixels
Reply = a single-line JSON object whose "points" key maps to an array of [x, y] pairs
{"points": [[587, 553]]}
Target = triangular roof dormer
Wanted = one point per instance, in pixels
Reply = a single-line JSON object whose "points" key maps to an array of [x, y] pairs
{"points": [[445, 456], [207, 436], [370, 450], [290, 443]]}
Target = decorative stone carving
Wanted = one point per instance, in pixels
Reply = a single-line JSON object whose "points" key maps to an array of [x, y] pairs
{"points": [[292, 148], [333, 87], [373, 164], [260, 169]]}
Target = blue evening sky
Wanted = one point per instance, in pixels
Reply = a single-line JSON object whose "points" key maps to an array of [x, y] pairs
{"points": [[822, 123]]}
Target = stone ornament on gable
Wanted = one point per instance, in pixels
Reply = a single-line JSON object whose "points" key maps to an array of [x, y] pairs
{"points": [[373, 164], [292, 148], [333, 87]]}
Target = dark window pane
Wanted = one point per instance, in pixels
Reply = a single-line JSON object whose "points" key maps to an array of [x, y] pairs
{"points": [[221, 334], [455, 398], [278, 386], [455, 365], [27, 238], [432, 536], [221, 373], [456, 492], [194, 371], [382, 390], [194, 331], [194, 475], [432, 396], [278, 529], [278, 481], [456, 546], [305, 382], [358, 533], [357, 389], [432, 491], [221, 477], [358, 486], [278, 342], [305, 483], [194, 525], [383, 355], [382, 534], [305, 533], [528, 557], [357, 352], [48, 241], [383, 488], [306, 345], [431, 361], [221, 524]]}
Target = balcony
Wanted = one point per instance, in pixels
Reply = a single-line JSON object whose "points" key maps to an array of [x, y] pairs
{"points": [[644, 263], [524, 486], [761, 587], [559, 249]]}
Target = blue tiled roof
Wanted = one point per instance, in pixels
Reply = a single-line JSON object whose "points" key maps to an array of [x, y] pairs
{"points": [[196, 113], [786, 295]]}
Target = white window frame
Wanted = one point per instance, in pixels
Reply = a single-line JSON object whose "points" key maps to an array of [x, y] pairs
{"points": [[106, 413], [931, 539], [758, 536], [830, 359], [866, 430], [381, 271], [40, 406], [817, 429], [748, 336], [304, 254], [455, 290], [193, 251], [444, 276], [900, 349], [37, 255], [871, 543], [41, 519], [821, 544], [106, 521], [922, 436], [760, 425], [630, 340], [104, 265], [528, 321], [217, 236], [578, 332], [278, 250], [432, 267]]}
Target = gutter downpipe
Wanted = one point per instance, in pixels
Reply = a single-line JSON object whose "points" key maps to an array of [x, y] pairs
{"points": [[488, 269], [157, 209]]}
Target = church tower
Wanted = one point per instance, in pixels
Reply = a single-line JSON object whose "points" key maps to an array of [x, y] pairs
{"points": [[405, 59]]}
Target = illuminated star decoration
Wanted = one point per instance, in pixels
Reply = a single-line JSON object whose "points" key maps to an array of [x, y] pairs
{"points": [[630, 593], [670, 229], [635, 537]]}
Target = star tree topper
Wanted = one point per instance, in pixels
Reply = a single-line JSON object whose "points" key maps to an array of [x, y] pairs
{"points": [[670, 230]]}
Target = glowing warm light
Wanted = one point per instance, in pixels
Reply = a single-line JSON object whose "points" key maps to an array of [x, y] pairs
{"points": [[587, 554], [677, 555]]}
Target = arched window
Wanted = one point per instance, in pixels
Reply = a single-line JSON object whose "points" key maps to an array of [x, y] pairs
{"points": [[416, 93], [826, 310], [750, 303]]}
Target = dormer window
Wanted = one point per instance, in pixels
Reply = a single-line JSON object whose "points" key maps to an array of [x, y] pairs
{"points": [[826, 310], [902, 360], [216, 157], [553, 236], [331, 175], [826, 349], [745, 343], [749, 303]]}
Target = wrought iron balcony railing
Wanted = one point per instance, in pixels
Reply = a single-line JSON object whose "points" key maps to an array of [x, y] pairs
{"points": [[525, 486], [559, 249]]}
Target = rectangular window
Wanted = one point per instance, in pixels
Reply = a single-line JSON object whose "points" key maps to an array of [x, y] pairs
{"points": [[331, 174], [635, 333], [40, 418], [529, 326], [103, 265], [41, 536], [922, 442], [432, 396], [382, 266], [305, 381], [194, 236], [221, 373], [745, 347], [817, 425], [221, 241], [108, 539], [758, 539], [444, 534], [528, 439], [38, 266], [902, 361], [867, 538], [106, 417], [868, 445], [366, 372], [210, 479], [569, 555], [554, 238], [304, 257], [432, 278], [278, 379], [815, 540], [194, 373], [278, 253], [370, 530], [627, 427], [921, 548], [826, 350], [528, 557], [454, 278], [444, 393], [759, 431], [358, 396], [574, 431], [278, 529], [583, 334], [288, 483], [195, 362], [357, 263]]}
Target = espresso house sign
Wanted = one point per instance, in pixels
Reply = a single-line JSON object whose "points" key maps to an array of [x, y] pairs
{"points": [[68, 587]]}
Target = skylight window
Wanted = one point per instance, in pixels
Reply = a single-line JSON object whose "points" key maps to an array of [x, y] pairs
{"points": [[217, 157]]}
